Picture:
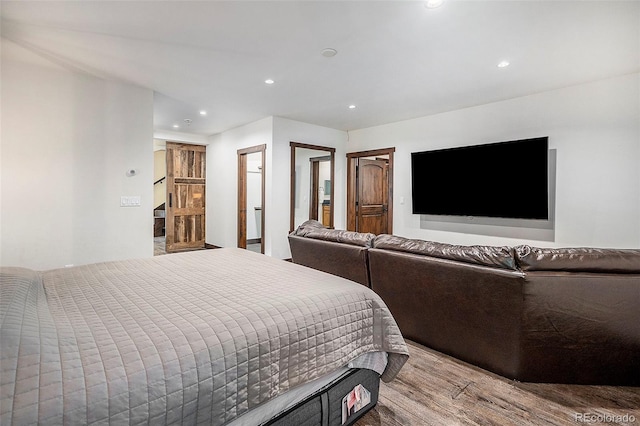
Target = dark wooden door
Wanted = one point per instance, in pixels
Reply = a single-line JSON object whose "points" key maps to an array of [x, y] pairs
{"points": [[372, 203], [186, 182]]}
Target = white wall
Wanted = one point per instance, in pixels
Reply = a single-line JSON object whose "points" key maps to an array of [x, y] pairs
{"points": [[159, 172], [284, 132], [67, 141], [222, 167], [222, 179], [594, 134]]}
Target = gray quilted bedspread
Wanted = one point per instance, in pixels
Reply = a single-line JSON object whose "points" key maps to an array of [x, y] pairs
{"points": [[193, 338]]}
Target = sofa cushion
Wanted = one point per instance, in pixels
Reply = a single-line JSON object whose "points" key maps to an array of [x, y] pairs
{"points": [[579, 259], [307, 226], [314, 229], [499, 257]]}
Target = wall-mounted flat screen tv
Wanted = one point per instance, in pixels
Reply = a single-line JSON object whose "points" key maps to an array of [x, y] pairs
{"points": [[505, 179]]}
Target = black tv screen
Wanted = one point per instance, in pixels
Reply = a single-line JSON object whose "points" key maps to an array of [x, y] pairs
{"points": [[505, 179]]}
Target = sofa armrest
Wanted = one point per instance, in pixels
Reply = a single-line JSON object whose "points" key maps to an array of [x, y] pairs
{"points": [[468, 311], [344, 260], [581, 328]]}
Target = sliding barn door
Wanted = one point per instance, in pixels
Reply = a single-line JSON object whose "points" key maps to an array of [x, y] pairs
{"points": [[185, 217]]}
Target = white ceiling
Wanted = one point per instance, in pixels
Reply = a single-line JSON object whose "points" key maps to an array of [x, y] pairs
{"points": [[396, 59]]}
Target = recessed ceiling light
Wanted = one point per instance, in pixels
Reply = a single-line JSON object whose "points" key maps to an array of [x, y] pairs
{"points": [[503, 64], [269, 81], [352, 107], [432, 4], [175, 126], [329, 53], [203, 112]]}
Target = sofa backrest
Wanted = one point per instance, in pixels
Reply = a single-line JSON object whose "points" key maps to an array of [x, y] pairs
{"points": [[310, 229], [492, 256], [579, 259], [338, 252]]}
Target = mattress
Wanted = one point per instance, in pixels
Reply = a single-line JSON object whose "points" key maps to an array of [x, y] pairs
{"points": [[287, 401], [331, 405], [191, 338], [295, 398]]}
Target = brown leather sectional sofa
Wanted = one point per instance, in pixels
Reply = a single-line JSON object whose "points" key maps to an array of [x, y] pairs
{"points": [[551, 315]]}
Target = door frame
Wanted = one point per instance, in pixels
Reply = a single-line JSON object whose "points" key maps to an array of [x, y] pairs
{"points": [[242, 194], [292, 185], [314, 186], [352, 190]]}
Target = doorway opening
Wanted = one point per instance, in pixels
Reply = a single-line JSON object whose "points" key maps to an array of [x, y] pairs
{"points": [[251, 198], [370, 191], [320, 190], [159, 196]]}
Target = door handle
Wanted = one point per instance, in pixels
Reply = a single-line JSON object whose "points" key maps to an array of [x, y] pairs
{"points": [[170, 199]]}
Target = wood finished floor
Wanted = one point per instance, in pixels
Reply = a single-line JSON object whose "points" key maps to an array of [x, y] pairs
{"points": [[159, 246], [435, 389]]}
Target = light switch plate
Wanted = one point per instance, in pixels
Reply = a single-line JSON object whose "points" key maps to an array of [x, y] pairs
{"points": [[130, 201]]}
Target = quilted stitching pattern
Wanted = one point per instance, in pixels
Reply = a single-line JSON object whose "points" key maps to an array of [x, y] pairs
{"points": [[188, 338]]}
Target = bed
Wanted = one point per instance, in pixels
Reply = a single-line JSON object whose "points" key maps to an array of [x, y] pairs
{"points": [[222, 336]]}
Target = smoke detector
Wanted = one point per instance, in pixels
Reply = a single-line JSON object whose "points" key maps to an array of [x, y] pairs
{"points": [[329, 53]]}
